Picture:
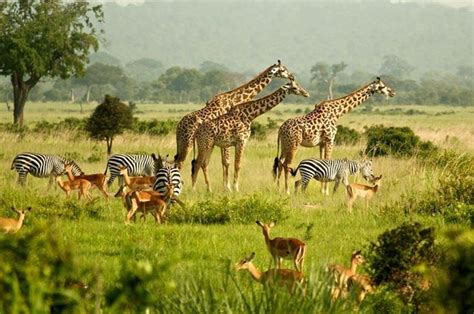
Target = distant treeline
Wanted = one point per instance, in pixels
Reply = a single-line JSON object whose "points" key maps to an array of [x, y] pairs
{"points": [[146, 80]]}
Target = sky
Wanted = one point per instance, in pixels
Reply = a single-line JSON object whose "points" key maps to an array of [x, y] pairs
{"points": [[452, 3]]}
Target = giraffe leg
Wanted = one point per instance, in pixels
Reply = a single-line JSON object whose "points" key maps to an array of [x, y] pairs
{"points": [[286, 167], [327, 155], [322, 153], [206, 174], [225, 155], [239, 150]]}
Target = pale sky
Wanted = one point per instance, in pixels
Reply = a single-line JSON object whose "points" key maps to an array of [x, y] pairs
{"points": [[453, 3]]}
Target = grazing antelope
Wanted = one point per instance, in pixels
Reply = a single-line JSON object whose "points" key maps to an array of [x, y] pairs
{"points": [[282, 277], [10, 225], [363, 284], [148, 201], [342, 275], [77, 184], [137, 183], [98, 179], [284, 248], [127, 203], [355, 190]]}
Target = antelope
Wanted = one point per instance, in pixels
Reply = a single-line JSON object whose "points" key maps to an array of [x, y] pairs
{"points": [[283, 248], [282, 277], [364, 284], [10, 225], [355, 190], [137, 183], [98, 179], [153, 201], [77, 184], [342, 275]]}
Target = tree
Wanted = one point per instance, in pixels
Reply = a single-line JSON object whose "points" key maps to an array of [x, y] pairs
{"points": [[322, 72], [99, 74], [108, 120], [104, 58], [208, 66], [44, 39], [395, 66], [145, 69]]}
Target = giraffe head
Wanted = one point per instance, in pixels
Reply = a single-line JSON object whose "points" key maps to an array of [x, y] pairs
{"points": [[378, 86], [279, 70], [294, 88]]}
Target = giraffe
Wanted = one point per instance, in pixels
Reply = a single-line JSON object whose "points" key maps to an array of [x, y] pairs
{"points": [[319, 127], [221, 104], [233, 129]]}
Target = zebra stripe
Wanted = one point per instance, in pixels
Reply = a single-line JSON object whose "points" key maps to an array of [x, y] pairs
{"points": [[41, 166], [330, 170], [168, 174], [137, 165]]}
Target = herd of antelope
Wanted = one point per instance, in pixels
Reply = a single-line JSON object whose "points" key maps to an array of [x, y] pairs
{"points": [[343, 279]]}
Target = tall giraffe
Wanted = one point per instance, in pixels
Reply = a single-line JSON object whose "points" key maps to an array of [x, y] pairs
{"points": [[233, 129], [319, 127], [221, 104]]}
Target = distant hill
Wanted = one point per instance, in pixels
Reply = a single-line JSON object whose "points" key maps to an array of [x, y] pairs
{"points": [[247, 36]]}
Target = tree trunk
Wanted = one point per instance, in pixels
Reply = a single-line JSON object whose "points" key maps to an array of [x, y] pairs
{"points": [[109, 146], [20, 94], [331, 82], [88, 93]]}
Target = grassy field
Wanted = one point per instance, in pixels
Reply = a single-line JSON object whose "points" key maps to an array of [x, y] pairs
{"points": [[189, 254]]}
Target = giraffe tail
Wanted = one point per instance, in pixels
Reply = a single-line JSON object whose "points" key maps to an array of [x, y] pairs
{"points": [[276, 162]]}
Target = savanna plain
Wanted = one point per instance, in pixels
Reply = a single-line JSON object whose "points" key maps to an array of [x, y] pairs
{"points": [[186, 263]]}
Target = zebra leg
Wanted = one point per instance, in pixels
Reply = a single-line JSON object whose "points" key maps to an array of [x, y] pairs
{"points": [[225, 155], [111, 179], [22, 177]]}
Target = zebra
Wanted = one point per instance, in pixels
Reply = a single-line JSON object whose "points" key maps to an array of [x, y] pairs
{"points": [[166, 175], [42, 166], [137, 165], [331, 170]]}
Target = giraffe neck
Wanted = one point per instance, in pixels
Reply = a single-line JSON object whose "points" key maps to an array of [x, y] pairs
{"points": [[249, 90], [253, 109], [345, 104]]}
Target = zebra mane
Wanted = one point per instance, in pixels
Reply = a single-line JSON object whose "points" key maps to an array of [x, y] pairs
{"points": [[74, 165]]}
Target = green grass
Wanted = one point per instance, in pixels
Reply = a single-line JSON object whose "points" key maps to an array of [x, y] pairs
{"points": [[190, 254]]}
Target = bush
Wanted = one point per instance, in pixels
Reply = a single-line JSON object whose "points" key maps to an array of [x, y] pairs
{"points": [[155, 127], [454, 290], [346, 136], [398, 260], [36, 275], [231, 210], [382, 141], [258, 130], [453, 197]]}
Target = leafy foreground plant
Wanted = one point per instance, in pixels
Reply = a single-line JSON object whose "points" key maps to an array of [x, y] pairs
{"points": [[399, 260], [454, 289], [37, 275]]}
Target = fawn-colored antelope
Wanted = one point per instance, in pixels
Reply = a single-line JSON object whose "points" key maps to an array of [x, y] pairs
{"points": [[355, 190], [148, 201], [77, 184], [363, 284], [342, 275], [10, 225], [283, 248], [98, 180], [282, 277], [137, 183]]}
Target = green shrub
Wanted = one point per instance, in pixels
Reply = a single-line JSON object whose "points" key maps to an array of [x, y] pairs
{"points": [[231, 210], [399, 258], [155, 127], [258, 130], [454, 289], [37, 275], [382, 141], [453, 196], [347, 136]]}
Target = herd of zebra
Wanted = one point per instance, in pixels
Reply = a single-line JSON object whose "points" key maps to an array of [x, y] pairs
{"points": [[165, 173]]}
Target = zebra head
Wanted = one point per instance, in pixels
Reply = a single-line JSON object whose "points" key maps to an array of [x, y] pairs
{"points": [[75, 169], [160, 163], [365, 168]]}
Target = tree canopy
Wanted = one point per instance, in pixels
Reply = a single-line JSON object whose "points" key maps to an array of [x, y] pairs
{"points": [[44, 39]]}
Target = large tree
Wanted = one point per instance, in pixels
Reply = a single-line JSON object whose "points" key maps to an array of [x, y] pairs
{"points": [[325, 73], [40, 38]]}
